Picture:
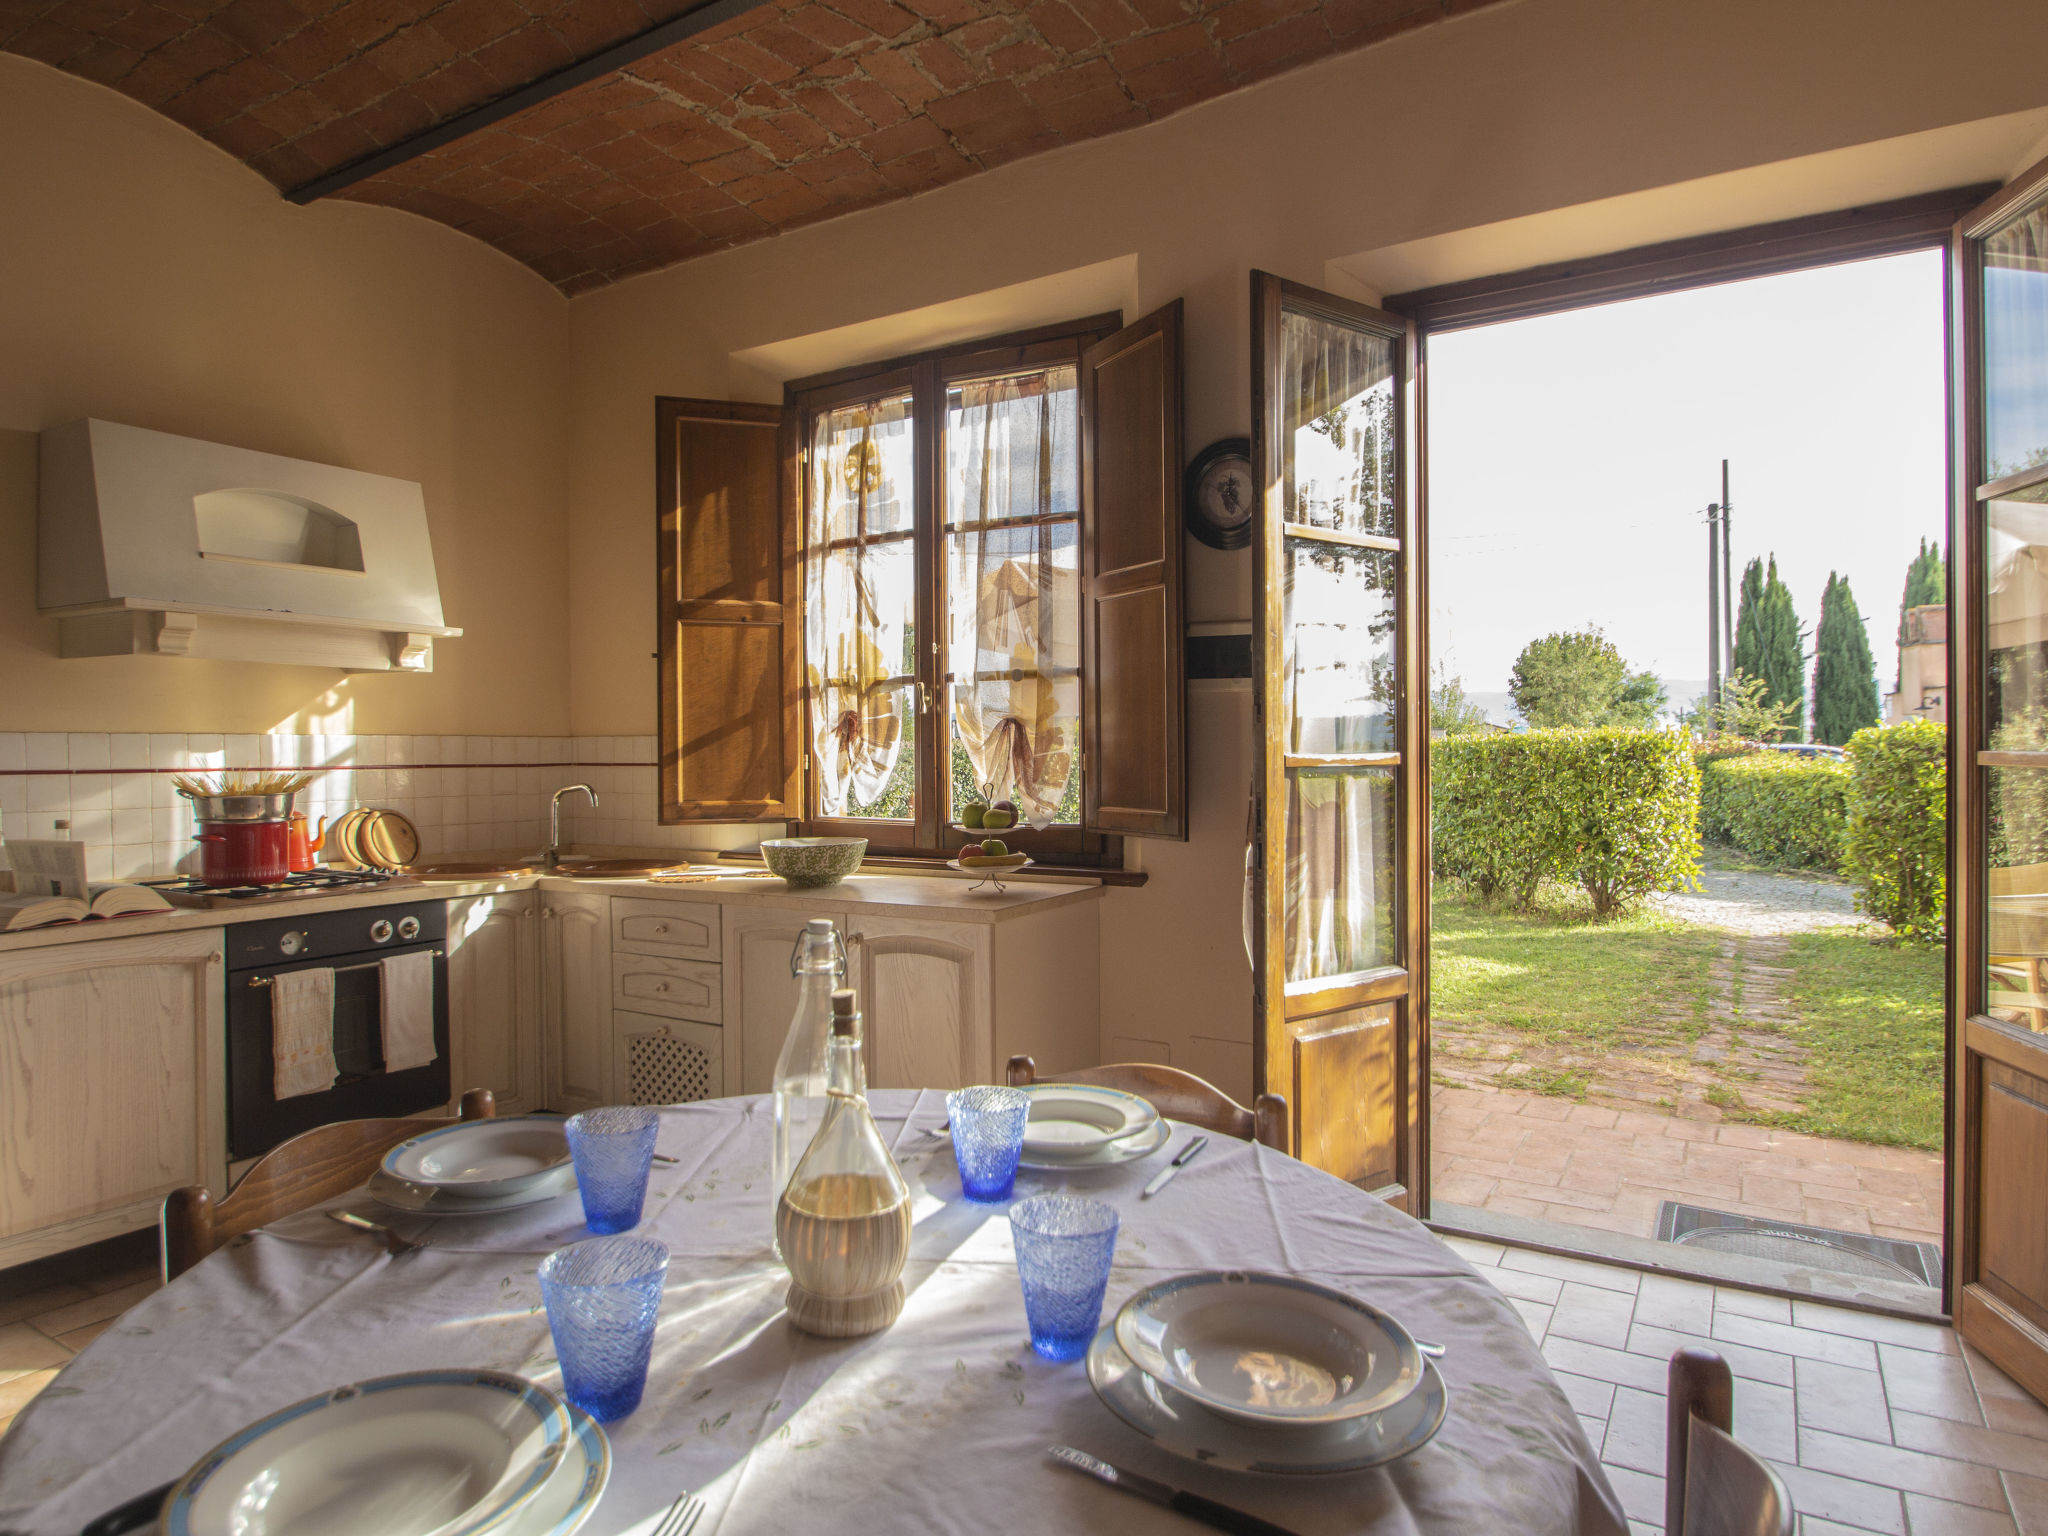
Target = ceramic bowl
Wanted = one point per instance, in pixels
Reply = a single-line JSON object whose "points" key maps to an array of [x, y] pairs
{"points": [[1269, 1349], [809, 862]]}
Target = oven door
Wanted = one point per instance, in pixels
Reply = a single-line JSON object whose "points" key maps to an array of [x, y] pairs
{"points": [[258, 1120]]}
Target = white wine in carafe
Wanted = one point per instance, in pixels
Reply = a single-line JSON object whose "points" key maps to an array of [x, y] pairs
{"points": [[843, 1222]]}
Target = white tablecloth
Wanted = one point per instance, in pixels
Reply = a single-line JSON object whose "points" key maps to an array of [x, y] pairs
{"points": [[939, 1423]]}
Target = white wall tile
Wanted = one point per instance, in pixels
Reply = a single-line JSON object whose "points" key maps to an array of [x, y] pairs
{"points": [[13, 751], [47, 750], [90, 749], [131, 827], [167, 751], [127, 751], [244, 752], [133, 791]]}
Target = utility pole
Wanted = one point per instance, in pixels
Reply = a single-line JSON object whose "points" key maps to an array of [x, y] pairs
{"points": [[1727, 577], [1713, 606]]}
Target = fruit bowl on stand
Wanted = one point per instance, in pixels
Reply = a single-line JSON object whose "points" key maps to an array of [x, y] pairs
{"points": [[991, 860]]}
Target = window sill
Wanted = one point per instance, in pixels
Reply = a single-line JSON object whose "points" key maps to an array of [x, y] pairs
{"points": [[907, 864]]}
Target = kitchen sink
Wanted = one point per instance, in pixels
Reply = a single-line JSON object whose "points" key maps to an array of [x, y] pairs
{"points": [[614, 869], [472, 870]]}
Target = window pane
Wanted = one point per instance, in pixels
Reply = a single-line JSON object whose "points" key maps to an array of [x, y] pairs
{"points": [[1340, 871], [2016, 620], [2016, 345], [860, 607], [1340, 442], [1338, 655], [1013, 588], [2016, 901]]}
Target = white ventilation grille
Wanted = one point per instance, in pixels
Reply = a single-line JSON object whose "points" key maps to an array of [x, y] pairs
{"points": [[660, 1069]]}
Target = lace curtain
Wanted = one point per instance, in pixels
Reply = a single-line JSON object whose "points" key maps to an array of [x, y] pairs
{"points": [[1340, 872], [860, 601], [1013, 579]]}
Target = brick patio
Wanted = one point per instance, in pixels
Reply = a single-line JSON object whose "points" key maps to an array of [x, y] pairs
{"points": [[1528, 1154]]}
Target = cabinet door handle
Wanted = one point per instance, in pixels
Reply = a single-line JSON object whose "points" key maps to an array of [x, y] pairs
{"points": [[661, 927], [661, 986]]}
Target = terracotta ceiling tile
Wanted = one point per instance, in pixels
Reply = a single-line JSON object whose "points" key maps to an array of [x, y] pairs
{"points": [[691, 139], [793, 202], [590, 26], [105, 62], [1355, 20], [1059, 24], [714, 70], [1292, 42], [145, 27], [788, 45], [882, 17], [879, 107], [905, 138], [258, 24], [291, 113], [471, 24], [825, 26], [286, 166], [940, 60], [1112, 20], [534, 50], [832, 114], [1167, 13], [627, 149], [981, 34]]}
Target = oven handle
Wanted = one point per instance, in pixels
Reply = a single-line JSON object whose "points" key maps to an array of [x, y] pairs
{"points": [[367, 965]]}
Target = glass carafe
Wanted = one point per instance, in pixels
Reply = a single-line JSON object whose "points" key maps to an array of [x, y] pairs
{"points": [[819, 965], [843, 1224]]}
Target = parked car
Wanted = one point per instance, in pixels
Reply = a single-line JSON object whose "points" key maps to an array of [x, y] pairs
{"points": [[1805, 749]]}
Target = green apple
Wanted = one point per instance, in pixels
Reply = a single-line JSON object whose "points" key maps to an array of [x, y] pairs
{"points": [[972, 812], [994, 848], [995, 818]]}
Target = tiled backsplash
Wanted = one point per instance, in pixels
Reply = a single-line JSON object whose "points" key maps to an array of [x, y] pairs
{"points": [[466, 794]]}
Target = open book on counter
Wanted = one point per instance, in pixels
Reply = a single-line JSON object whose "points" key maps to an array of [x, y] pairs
{"points": [[111, 900]]}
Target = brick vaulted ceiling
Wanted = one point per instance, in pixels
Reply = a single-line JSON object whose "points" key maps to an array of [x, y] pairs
{"points": [[789, 113]]}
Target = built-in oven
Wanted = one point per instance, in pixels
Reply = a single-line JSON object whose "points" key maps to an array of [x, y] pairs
{"points": [[353, 944]]}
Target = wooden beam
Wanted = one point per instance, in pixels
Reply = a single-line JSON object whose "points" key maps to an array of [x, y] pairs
{"points": [[692, 22]]}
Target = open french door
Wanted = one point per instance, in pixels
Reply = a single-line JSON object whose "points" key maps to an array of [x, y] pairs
{"points": [[1340, 840], [1998, 730]]}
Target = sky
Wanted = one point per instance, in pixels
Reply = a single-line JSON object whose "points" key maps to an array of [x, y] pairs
{"points": [[1572, 457]]}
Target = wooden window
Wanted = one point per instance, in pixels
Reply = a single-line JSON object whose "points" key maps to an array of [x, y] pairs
{"points": [[968, 566]]}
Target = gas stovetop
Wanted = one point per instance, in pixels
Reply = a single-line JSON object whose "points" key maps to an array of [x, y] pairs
{"points": [[192, 892]]}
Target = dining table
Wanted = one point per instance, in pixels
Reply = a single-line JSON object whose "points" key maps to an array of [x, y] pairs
{"points": [[939, 1423]]}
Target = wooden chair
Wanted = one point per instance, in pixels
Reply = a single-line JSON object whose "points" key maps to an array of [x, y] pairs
{"points": [[1713, 1484], [313, 1166], [1179, 1096]]}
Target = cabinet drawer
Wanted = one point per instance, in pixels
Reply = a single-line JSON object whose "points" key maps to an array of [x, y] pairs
{"points": [[660, 1062], [676, 989], [686, 929]]}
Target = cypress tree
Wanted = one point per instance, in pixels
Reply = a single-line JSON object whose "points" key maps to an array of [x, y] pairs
{"points": [[1767, 643], [1844, 676]]}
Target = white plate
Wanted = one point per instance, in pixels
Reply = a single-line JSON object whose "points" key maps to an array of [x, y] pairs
{"points": [[480, 1158], [1129, 1150], [422, 1201], [1071, 1118], [1269, 1349], [572, 1493], [428, 1453], [1184, 1427]]}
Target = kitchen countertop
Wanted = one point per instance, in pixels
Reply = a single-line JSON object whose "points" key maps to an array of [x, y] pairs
{"points": [[945, 898]]}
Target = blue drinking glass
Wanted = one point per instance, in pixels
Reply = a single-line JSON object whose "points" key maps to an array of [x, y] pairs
{"points": [[1064, 1248], [987, 1126], [614, 1149], [602, 1296]]}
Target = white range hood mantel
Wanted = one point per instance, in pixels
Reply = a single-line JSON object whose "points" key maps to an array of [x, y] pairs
{"points": [[154, 544]]}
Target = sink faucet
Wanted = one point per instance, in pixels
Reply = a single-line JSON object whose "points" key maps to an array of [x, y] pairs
{"points": [[554, 856]]}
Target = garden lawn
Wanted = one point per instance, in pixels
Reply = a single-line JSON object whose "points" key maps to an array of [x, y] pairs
{"points": [[1557, 977], [1871, 1015]]}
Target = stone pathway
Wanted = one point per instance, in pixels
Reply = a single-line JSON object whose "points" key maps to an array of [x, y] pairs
{"points": [[1648, 1120]]}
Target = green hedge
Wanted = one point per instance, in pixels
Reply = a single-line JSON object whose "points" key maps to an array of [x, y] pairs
{"points": [[1781, 808], [1896, 846], [1613, 810]]}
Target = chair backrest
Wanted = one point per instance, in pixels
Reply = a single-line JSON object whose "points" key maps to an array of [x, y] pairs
{"points": [[1714, 1485], [1179, 1096], [313, 1166]]}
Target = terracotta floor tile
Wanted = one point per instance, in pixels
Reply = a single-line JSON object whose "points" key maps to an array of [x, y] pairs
{"points": [[1843, 1400], [1938, 1517], [1475, 1166], [23, 1348], [2013, 1417], [1593, 1115], [1688, 1130], [1516, 1205], [78, 1338], [1773, 1194], [1546, 1109], [1519, 1189], [1755, 1136], [1830, 1212], [1824, 1496], [1757, 1333], [1592, 1177], [1462, 1188], [1895, 1466], [1917, 1381], [1839, 1175]]}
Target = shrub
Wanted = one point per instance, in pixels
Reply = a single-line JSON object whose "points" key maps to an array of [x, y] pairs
{"points": [[1783, 809], [1897, 844], [1614, 810]]}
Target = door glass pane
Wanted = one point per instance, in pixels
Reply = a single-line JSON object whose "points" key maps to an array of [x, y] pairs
{"points": [[2016, 345], [2016, 619], [1013, 590], [1340, 442], [860, 607], [1340, 871], [1337, 656], [2016, 897]]}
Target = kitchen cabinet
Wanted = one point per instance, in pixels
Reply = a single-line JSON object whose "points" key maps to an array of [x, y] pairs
{"points": [[666, 1061], [925, 995], [577, 991], [112, 1079], [760, 988], [494, 997]]}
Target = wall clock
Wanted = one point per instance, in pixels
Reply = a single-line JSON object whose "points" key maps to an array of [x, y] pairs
{"points": [[1219, 495]]}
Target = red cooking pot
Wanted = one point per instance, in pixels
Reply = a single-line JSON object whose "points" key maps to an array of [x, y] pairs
{"points": [[244, 852]]}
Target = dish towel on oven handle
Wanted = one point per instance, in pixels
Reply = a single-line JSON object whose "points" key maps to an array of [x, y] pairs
{"points": [[302, 1032], [408, 1011]]}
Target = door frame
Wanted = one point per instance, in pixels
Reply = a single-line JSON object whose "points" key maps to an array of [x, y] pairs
{"points": [[1928, 221]]}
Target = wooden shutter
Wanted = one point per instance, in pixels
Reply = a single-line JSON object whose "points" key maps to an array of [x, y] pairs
{"points": [[1134, 661], [730, 614]]}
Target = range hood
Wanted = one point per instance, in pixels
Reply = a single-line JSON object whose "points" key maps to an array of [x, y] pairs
{"points": [[154, 544]]}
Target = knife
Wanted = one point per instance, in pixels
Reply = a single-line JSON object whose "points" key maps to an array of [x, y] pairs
{"points": [[1187, 1156], [1193, 1505]]}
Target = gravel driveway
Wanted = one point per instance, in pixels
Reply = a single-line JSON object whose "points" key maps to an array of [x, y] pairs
{"points": [[1750, 902]]}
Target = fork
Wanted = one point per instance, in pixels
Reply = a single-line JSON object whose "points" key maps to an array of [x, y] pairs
{"points": [[682, 1516], [394, 1245]]}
